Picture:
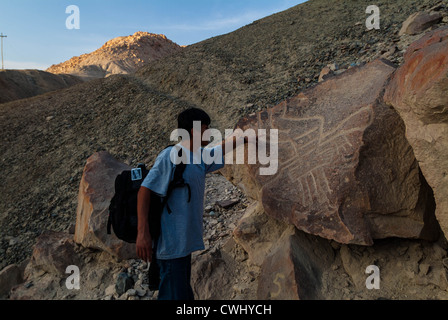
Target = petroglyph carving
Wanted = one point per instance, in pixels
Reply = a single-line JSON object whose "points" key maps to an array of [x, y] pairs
{"points": [[316, 151]]}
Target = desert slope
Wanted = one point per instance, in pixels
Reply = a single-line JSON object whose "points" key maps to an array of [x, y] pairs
{"points": [[20, 84], [271, 59]]}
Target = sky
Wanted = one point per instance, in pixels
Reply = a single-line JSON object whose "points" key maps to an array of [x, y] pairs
{"points": [[38, 37]]}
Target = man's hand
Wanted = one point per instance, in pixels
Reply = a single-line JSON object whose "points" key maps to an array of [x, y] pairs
{"points": [[144, 246], [230, 143]]}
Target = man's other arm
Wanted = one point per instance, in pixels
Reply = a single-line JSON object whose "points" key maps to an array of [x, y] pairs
{"points": [[144, 240]]}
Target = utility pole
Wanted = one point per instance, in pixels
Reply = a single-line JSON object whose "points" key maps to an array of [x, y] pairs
{"points": [[2, 36]]}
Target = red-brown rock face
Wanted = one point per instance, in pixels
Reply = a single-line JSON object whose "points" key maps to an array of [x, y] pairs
{"points": [[419, 92]]}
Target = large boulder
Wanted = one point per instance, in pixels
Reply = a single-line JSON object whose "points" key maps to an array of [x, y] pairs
{"points": [[53, 253], [257, 233], [10, 276], [419, 22], [345, 169], [96, 190], [293, 270], [418, 91]]}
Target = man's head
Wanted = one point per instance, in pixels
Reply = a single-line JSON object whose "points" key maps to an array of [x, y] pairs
{"points": [[186, 119]]}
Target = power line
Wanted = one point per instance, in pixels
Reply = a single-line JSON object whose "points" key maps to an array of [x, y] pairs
{"points": [[2, 36]]}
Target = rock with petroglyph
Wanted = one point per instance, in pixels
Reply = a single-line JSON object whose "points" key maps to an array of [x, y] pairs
{"points": [[345, 169]]}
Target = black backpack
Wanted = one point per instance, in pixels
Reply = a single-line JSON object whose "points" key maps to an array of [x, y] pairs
{"points": [[123, 218], [123, 206]]}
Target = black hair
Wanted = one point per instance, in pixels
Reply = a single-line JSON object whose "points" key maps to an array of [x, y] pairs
{"points": [[187, 117]]}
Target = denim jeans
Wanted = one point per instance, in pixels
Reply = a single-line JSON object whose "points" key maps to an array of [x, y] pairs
{"points": [[175, 275]]}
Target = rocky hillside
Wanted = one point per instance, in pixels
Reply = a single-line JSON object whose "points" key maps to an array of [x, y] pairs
{"points": [[21, 84], [231, 77], [122, 55], [274, 58]]}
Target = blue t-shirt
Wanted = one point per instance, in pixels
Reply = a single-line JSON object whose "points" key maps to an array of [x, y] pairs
{"points": [[182, 229]]}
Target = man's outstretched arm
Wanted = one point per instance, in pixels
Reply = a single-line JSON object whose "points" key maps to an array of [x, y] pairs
{"points": [[144, 240]]}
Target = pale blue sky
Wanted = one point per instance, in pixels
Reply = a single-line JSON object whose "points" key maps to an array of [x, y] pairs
{"points": [[38, 37]]}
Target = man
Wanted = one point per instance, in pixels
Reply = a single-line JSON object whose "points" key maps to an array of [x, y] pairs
{"points": [[182, 229]]}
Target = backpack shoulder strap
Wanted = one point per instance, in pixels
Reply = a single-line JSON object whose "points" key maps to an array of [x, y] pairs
{"points": [[178, 181]]}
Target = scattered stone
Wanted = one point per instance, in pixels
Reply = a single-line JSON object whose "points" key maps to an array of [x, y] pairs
{"points": [[333, 66], [225, 204], [71, 229], [124, 283], [424, 268], [445, 263], [141, 292], [110, 290], [13, 241], [389, 52], [325, 73], [131, 292]]}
